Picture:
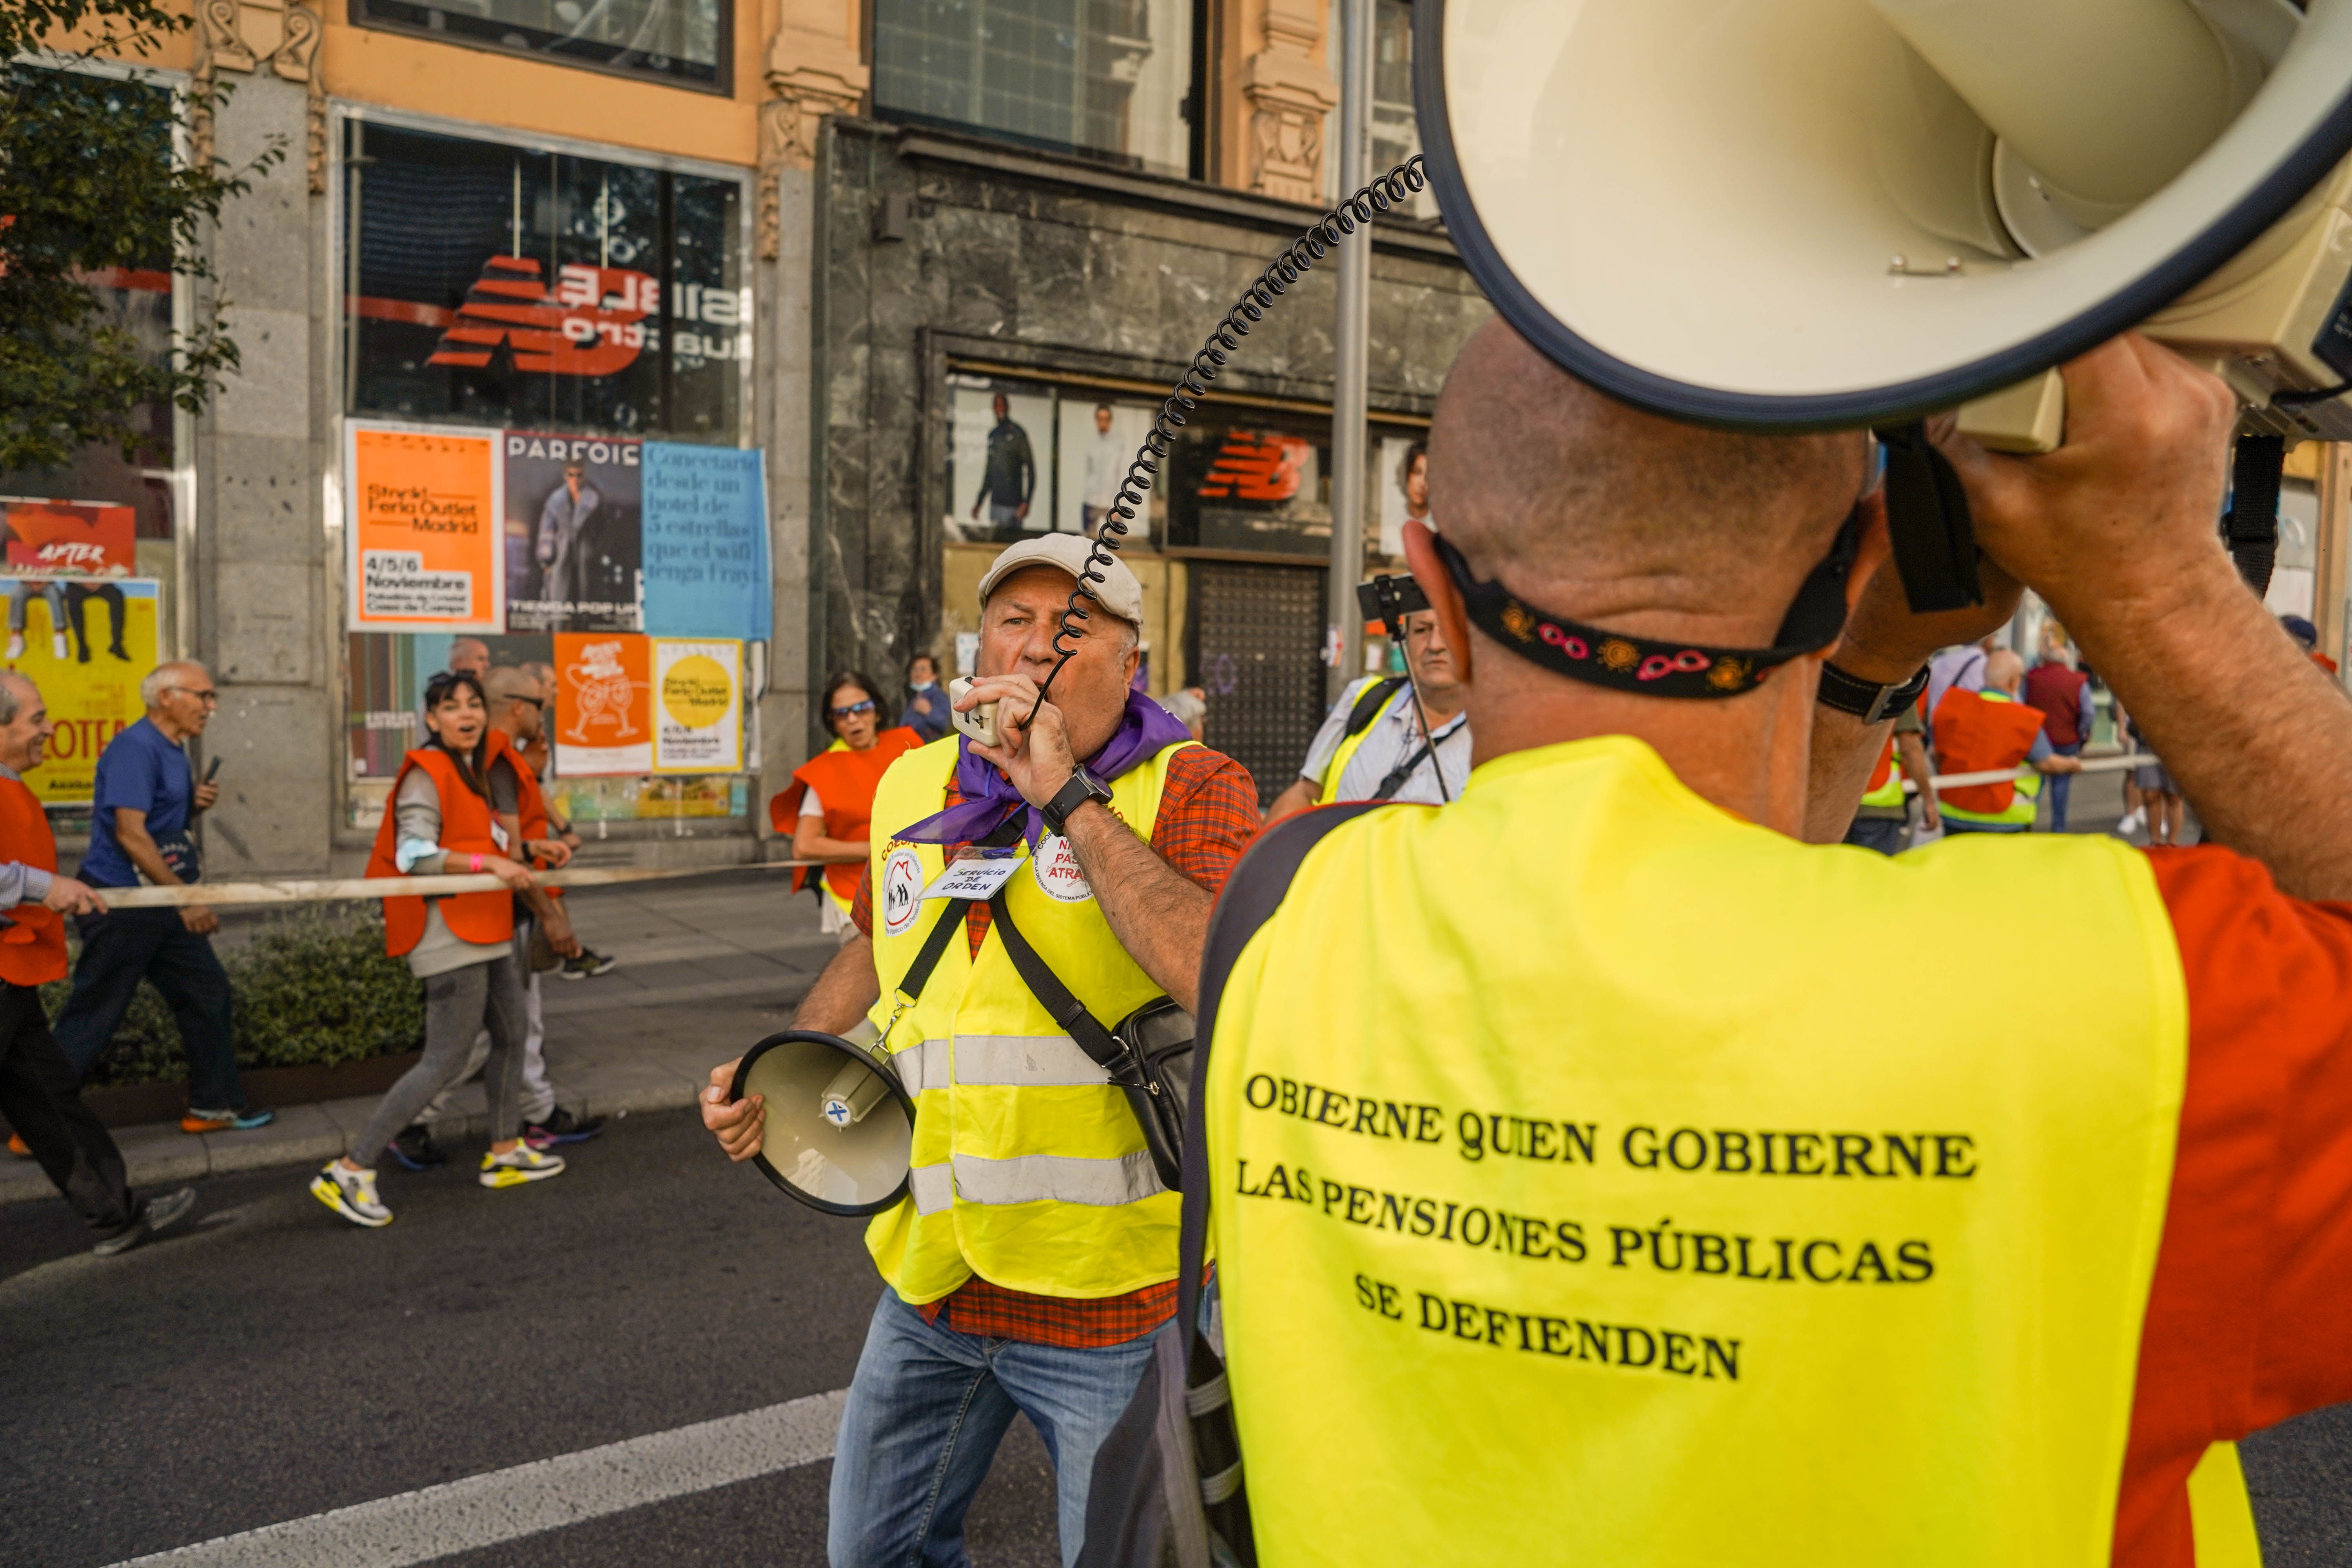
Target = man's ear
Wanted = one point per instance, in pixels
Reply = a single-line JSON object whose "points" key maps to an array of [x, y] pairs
{"points": [[1445, 599]]}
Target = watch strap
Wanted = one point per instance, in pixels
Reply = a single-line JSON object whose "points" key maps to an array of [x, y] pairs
{"points": [[1867, 700], [1082, 787]]}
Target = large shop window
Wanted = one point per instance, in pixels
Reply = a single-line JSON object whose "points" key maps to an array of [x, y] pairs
{"points": [[1029, 457], [491, 284], [682, 41], [1109, 78]]}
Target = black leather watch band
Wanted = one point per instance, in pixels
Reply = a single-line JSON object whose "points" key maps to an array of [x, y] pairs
{"points": [[1083, 787], [1866, 701]]}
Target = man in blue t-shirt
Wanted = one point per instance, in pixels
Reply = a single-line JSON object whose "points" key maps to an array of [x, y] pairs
{"points": [[146, 798]]}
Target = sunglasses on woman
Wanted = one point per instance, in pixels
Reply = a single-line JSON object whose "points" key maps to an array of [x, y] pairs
{"points": [[855, 708]]}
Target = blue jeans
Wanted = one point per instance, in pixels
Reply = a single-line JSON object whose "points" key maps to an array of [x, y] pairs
{"points": [[125, 946], [926, 1410], [2057, 786]]}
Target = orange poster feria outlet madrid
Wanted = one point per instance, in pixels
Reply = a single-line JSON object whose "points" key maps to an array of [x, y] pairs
{"points": [[426, 551]]}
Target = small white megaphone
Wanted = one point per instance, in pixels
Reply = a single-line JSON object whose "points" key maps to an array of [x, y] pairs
{"points": [[840, 1126], [1812, 214], [979, 723]]}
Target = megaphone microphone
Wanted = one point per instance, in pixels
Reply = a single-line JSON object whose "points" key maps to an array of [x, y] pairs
{"points": [[1809, 214]]}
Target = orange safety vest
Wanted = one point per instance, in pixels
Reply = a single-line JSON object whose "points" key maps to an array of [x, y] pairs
{"points": [[465, 823], [1975, 734], [844, 780], [33, 949]]}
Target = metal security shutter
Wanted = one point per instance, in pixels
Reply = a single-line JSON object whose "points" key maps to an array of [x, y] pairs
{"points": [[1259, 633]]}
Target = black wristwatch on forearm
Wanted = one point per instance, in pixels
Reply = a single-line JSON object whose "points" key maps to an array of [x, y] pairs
{"points": [[1865, 700], [1083, 787]]}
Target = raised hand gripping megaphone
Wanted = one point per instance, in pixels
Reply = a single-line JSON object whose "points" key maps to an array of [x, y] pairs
{"points": [[1811, 214]]}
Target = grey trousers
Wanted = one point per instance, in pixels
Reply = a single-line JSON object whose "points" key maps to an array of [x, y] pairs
{"points": [[538, 1094], [457, 1005]]}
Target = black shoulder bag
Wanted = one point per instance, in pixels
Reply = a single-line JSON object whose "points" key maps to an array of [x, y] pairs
{"points": [[1168, 1480]]}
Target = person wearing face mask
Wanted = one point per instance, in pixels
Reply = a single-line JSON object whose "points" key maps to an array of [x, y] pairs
{"points": [[926, 712], [829, 805], [1037, 1250], [442, 821]]}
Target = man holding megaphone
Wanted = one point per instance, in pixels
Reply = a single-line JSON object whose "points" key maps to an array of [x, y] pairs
{"points": [[1746, 1226], [1036, 1250]]}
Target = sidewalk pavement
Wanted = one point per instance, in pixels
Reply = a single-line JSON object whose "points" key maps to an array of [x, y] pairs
{"points": [[708, 965]]}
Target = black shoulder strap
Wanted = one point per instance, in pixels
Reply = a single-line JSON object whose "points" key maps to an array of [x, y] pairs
{"points": [[1065, 1010], [2250, 525], [919, 973], [1369, 704]]}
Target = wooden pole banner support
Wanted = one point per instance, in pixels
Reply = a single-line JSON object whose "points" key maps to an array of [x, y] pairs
{"points": [[219, 895]]}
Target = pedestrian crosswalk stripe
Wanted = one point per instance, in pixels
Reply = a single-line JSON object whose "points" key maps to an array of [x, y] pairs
{"points": [[507, 1505]]}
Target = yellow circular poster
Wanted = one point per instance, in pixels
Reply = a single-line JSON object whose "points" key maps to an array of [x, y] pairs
{"points": [[697, 690]]}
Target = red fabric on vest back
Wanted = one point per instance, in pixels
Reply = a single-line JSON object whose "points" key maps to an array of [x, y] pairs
{"points": [[1974, 734], [33, 950]]}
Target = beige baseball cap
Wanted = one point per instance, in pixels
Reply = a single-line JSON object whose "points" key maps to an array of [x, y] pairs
{"points": [[1118, 591]]}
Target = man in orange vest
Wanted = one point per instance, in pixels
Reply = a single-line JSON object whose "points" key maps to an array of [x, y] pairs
{"points": [[40, 1093], [1981, 732]]}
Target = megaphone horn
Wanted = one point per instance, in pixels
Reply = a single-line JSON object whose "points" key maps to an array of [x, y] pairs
{"points": [[840, 1125]]}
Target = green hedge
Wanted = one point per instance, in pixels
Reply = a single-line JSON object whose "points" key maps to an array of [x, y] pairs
{"points": [[313, 989]]}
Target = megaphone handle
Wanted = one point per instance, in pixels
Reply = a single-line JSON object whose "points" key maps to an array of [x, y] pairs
{"points": [[1929, 524]]}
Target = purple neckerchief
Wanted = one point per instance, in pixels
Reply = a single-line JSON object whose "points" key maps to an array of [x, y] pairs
{"points": [[990, 800]]}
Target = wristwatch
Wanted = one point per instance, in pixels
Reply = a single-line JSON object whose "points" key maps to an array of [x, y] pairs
{"points": [[1083, 787], [1866, 701]]}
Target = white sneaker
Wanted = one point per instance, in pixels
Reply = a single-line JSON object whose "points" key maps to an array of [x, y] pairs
{"points": [[15, 646], [519, 1164], [350, 1194], [57, 646], [2129, 825]]}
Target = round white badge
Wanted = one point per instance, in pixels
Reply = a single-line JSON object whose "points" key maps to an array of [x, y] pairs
{"points": [[902, 880], [1055, 865]]}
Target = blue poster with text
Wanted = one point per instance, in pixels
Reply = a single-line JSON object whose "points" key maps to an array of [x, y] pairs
{"points": [[706, 542]]}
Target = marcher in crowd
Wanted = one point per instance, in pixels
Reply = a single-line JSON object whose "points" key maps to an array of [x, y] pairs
{"points": [[442, 820], [828, 808], [1375, 744], [142, 810], [1189, 711], [543, 933], [1979, 731], [2097, 1224], [40, 1092], [2062, 693], [1884, 818], [1037, 1250], [1963, 666], [926, 712]]}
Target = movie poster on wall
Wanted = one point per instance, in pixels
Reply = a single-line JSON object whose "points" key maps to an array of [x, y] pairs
{"points": [[698, 713], [423, 523], [604, 717], [86, 643], [69, 538], [573, 539]]}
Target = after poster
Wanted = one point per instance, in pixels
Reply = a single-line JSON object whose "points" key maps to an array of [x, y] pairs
{"points": [[573, 534]]}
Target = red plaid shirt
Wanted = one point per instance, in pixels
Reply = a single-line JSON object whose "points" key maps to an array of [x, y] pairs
{"points": [[1208, 814]]}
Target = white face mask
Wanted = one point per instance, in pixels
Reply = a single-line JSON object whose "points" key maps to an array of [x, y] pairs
{"points": [[926, 685]]}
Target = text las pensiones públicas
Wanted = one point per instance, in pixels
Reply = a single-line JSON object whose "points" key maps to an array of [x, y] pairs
{"points": [[1483, 1137]]}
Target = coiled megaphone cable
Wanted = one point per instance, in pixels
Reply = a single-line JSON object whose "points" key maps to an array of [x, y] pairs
{"points": [[1296, 261]]}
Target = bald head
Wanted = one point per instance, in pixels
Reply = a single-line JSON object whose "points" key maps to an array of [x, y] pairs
{"points": [[1548, 484], [2004, 671]]}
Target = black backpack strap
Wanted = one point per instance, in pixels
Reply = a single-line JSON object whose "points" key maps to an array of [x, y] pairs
{"points": [[2250, 525], [1251, 894], [1369, 702], [1067, 1012]]}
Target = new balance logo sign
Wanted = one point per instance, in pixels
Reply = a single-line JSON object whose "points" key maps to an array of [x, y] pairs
{"points": [[592, 324]]}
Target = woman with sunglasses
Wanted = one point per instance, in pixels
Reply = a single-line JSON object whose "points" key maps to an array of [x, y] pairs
{"points": [[829, 807], [441, 821]]}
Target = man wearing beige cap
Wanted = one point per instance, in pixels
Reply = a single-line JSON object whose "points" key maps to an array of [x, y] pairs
{"points": [[1037, 1250]]}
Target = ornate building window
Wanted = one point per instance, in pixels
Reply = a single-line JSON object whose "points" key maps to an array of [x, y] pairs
{"points": [[682, 41], [1111, 78]]}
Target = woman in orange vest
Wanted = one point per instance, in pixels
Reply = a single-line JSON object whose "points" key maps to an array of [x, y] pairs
{"points": [[439, 822], [829, 807]]}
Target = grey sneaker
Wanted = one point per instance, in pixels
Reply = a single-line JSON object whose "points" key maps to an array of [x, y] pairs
{"points": [[158, 1216]]}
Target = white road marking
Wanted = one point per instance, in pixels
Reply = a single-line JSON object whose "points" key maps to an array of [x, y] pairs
{"points": [[506, 1505]]}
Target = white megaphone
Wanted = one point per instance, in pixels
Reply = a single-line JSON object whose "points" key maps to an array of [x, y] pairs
{"points": [[840, 1126], [1811, 214]]}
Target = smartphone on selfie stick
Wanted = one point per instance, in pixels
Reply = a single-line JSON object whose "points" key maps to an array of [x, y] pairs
{"points": [[1389, 599]]}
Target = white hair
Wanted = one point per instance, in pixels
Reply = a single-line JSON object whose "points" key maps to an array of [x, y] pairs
{"points": [[14, 689], [151, 690]]}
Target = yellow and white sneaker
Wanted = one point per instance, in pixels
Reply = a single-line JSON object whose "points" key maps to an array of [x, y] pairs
{"points": [[519, 1164], [350, 1194]]}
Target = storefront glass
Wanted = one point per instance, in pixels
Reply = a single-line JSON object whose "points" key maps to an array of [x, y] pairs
{"points": [[1106, 76], [682, 41], [1031, 457]]}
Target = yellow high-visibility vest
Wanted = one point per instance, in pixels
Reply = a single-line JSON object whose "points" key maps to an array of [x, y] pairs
{"points": [[1352, 734], [1890, 793], [1029, 1169], [1571, 1195]]}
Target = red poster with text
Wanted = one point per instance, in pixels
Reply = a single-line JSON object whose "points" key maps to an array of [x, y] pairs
{"points": [[69, 538]]}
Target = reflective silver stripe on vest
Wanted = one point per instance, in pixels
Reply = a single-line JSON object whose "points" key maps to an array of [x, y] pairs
{"points": [[1032, 1178], [922, 1066], [1031, 1061], [933, 1188]]}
